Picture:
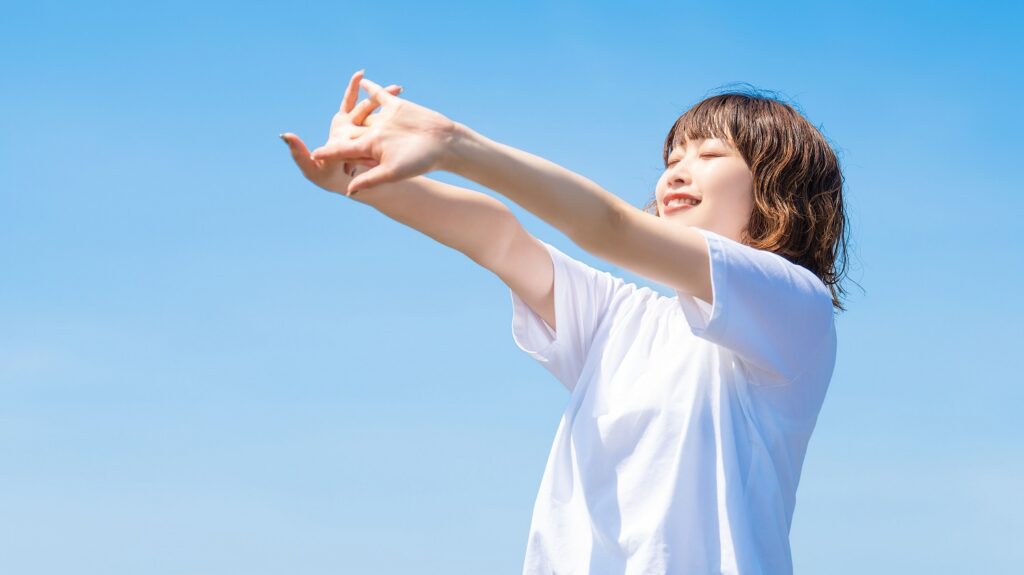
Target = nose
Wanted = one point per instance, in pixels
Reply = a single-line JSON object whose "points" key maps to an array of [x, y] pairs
{"points": [[678, 175]]}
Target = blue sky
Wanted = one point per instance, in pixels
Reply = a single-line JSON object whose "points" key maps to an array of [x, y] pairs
{"points": [[209, 365]]}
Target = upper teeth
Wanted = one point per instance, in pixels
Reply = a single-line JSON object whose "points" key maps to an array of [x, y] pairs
{"points": [[680, 201]]}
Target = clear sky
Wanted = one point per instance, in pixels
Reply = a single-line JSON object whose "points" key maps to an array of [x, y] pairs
{"points": [[209, 365]]}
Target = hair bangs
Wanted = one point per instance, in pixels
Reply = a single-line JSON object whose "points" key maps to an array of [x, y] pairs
{"points": [[711, 118]]}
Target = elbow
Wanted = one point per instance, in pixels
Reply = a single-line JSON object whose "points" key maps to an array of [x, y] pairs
{"points": [[501, 234]]}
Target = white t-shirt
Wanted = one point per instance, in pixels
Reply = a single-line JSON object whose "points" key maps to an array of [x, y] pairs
{"points": [[681, 446]]}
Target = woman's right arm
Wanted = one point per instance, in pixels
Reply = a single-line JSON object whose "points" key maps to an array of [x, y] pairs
{"points": [[479, 226], [471, 222], [476, 224]]}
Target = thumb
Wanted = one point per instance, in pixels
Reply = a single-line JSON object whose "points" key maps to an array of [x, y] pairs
{"points": [[343, 150], [373, 177], [300, 153]]}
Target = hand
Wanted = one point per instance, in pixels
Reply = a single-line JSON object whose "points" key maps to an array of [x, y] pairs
{"points": [[336, 175], [405, 140]]}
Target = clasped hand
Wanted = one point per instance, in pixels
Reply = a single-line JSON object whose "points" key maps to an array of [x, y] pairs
{"points": [[402, 140]]}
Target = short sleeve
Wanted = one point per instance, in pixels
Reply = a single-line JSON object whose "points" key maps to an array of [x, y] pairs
{"points": [[772, 313], [583, 296]]}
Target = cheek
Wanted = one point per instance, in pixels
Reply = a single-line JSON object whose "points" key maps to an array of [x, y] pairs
{"points": [[740, 185], [659, 188]]}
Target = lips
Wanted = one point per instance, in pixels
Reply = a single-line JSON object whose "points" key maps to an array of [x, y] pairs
{"points": [[676, 195], [673, 209]]}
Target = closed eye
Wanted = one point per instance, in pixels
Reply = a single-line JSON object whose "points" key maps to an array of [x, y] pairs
{"points": [[672, 162]]}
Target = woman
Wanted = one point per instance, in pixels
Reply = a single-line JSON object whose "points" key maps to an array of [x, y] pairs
{"points": [[681, 446]]}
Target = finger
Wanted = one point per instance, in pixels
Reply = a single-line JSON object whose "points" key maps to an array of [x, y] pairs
{"points": [[351, 167], [367, 106], [376, 91], [300, 153], [373, 177], [343, 150], [351, 92], [380, 174]]}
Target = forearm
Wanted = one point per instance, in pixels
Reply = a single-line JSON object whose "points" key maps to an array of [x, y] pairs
{"points": [[471, 222], [577, 206]]}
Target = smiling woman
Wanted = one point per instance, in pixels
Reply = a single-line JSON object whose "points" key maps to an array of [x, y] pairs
{"points": [[781, 187], [681, 446], [709, 173]]}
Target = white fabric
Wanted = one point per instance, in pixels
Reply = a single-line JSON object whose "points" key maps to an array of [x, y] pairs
{"points": [[681, 445]]}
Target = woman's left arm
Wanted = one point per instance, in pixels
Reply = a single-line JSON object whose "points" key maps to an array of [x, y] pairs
{"points": [[407, 139], [595, 219], [574, 204]]}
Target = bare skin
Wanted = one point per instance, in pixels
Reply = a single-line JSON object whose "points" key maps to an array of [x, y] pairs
{"points": [[407, 140]]}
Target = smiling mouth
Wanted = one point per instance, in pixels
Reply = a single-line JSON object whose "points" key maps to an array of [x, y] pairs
{"points": [[675, 206]]}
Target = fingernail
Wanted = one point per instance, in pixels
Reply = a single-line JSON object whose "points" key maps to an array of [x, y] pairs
{"points": [[283, 139]]}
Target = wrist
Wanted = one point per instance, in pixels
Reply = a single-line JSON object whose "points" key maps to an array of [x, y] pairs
{"points": [[460, 143]]}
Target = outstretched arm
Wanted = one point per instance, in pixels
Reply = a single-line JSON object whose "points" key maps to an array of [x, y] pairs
{"points": [[408, 139], [475, 224], [595, 219], [479, 226]]}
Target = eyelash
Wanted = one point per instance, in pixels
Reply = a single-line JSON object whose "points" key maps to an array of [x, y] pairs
{"points": [[702, 155]]}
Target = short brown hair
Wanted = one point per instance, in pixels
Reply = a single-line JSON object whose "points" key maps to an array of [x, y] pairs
{"points": [[798, 184]]}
